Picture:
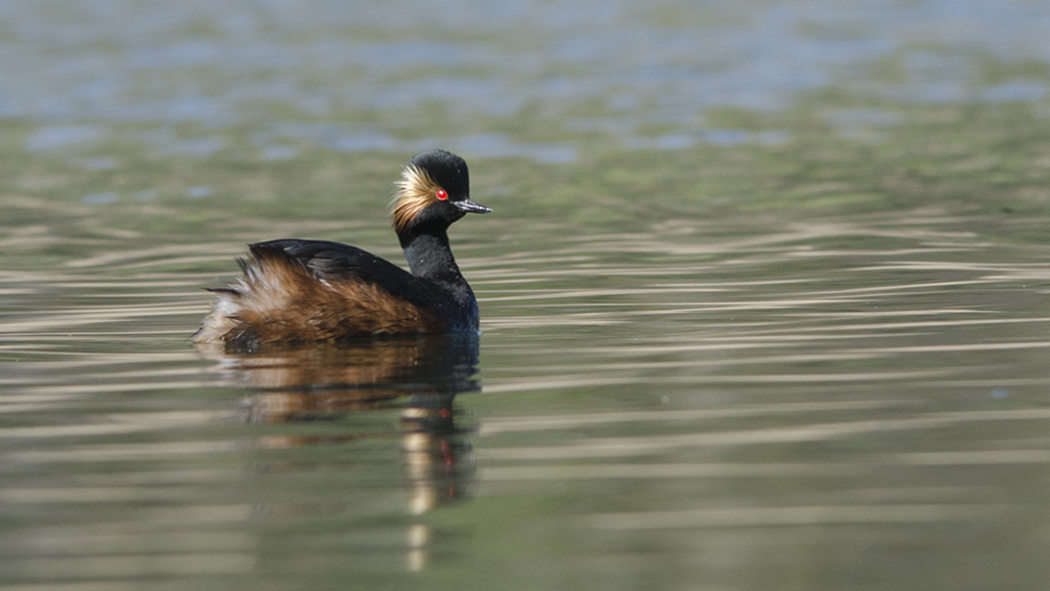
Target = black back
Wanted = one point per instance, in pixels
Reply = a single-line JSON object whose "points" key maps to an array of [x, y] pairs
{"points": [[334, 261]]}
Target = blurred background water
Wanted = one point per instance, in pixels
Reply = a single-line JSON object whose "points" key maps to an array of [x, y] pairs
{"points": [[764, 296]]}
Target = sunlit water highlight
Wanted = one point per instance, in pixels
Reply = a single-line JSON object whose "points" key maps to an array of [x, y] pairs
{"points": [[638, 74]]}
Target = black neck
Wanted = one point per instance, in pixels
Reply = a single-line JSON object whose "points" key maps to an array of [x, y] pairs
{"points": [[430, 257]]}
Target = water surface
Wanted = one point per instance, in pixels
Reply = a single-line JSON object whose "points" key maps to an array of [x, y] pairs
{"points": [[764, 297]]}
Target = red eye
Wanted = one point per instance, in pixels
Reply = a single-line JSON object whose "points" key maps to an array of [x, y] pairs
{"points": [[441, 195]]}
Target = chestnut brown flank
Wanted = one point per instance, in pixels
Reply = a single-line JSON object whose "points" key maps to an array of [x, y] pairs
{"points": [[280, 300]]}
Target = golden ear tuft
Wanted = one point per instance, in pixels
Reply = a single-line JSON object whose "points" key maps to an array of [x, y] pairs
{"points": [[415, 192]]}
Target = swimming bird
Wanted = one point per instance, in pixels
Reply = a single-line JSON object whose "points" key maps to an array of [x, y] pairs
{"points": [[298, 291]]}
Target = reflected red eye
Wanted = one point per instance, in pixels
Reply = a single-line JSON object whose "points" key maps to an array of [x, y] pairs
{"points": [[441, 195]]}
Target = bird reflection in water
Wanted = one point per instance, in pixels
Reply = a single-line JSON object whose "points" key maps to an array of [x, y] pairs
{"points": [[420, 375]]}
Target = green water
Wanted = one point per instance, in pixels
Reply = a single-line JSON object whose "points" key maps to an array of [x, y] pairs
{"points": [[764, 296]]}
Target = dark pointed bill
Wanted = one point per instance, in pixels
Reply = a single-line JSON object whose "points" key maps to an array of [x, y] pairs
{"points": [[469, 206]]}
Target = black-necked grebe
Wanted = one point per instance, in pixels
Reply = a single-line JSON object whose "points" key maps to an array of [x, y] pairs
{"points": [[296, 291]]}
